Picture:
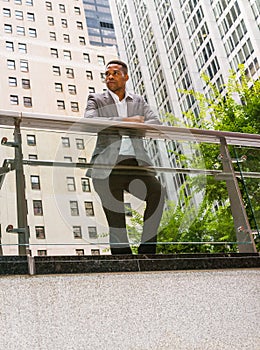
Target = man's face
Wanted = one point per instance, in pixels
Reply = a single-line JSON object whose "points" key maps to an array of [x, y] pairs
{"points": [[115, 78]]}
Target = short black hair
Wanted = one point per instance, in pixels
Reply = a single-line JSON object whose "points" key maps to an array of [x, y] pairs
{"points": [[120, 63]]}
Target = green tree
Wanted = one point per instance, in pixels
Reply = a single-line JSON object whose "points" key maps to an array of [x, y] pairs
{"points": [[235, 108]]}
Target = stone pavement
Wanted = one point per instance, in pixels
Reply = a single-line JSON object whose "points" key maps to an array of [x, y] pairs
{"points": [[176, 310]]}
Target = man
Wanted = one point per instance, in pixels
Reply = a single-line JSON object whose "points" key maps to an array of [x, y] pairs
{"points": [[113, 147]]}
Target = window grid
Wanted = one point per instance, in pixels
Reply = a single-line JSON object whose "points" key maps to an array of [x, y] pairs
{"points": [[85, 184], [89, 208], [37, 208]]}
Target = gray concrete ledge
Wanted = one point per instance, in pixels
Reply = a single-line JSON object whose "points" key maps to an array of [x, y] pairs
{"points": [[173, 310], [10, 265]]}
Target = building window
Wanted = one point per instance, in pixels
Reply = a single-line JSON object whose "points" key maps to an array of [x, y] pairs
{"points": [[19, 15], [26, 84], [128, 209], [50, 21], [9, 45], [29, 2], [106, 25], [89, 75], [74, 106], [92, 232], [22, 47], [71, 184], [82, 40], [42, 252], [95, 252], [74, 209], [30, 16], [20, 30], [65, 142], [14, 100], [82, 160], [31, 140], [11, 64], [86, 57], [79, 25], [24, 66], [77, 10], [85, 184], [52, 36], [80, 144], [32, 32], [72, 89], [61, 104], [68, 159], [56, 70], [58, 87], [27, 102], [101, 60], [67, 54], [69, 72], [80, 252], [89, 208], [12, 81], [35, 182], [18, 2], [77, 232], [40, 232], [33, 156], [6, 12], [37, 208], [64, 23], [66, 38], [48, 5], [62, 8], [91, 89], [8, 28], [54, 53]]}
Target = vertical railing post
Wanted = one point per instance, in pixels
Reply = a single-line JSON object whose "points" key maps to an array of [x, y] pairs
{"points": [[1, 249], [23, 237], [244, 235]]}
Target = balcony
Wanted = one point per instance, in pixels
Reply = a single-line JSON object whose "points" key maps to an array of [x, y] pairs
{"points": [[52, 220]]}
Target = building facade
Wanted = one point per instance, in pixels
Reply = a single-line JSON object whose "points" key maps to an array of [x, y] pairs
{"points": [[169, 44], [99, 22], [48, 67]]}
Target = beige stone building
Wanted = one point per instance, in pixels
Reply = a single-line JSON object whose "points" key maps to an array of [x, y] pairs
{"points": [[48, 67]]}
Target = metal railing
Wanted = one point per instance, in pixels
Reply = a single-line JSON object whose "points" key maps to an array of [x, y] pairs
{"points": [[224, 139]]}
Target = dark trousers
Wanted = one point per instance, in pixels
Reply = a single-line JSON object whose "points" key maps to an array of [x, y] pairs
{"points": [[142, 184]]}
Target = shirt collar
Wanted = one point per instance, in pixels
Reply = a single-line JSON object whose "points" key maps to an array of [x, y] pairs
{"points": [[116, 98]]}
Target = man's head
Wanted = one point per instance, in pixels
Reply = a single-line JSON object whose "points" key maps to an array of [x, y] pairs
{"points": [[116, 76]]}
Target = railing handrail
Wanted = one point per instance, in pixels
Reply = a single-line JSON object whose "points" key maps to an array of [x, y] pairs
{"points": [[78, 124]]}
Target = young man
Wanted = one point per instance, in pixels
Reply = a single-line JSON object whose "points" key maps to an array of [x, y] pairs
{"points": [[113, 148]]}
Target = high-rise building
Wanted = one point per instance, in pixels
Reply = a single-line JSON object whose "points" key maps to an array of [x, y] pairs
{"points": [[99, 22], [169, 44], [48, 67]]}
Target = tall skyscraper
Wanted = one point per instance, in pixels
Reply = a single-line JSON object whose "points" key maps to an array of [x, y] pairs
{"points": [[99, 22], [48, 67], [168, 44]]}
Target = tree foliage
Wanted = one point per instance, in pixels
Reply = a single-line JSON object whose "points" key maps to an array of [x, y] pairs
{"points": [[236, 107]]}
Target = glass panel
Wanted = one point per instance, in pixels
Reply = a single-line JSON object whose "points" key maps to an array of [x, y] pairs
{"points": [[63, 212]]}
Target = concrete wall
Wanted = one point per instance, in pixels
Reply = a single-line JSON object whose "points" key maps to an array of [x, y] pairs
{"points": [[191, 310]]}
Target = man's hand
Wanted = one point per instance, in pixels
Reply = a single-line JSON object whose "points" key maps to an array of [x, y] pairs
{"points": [[134, 119]]}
